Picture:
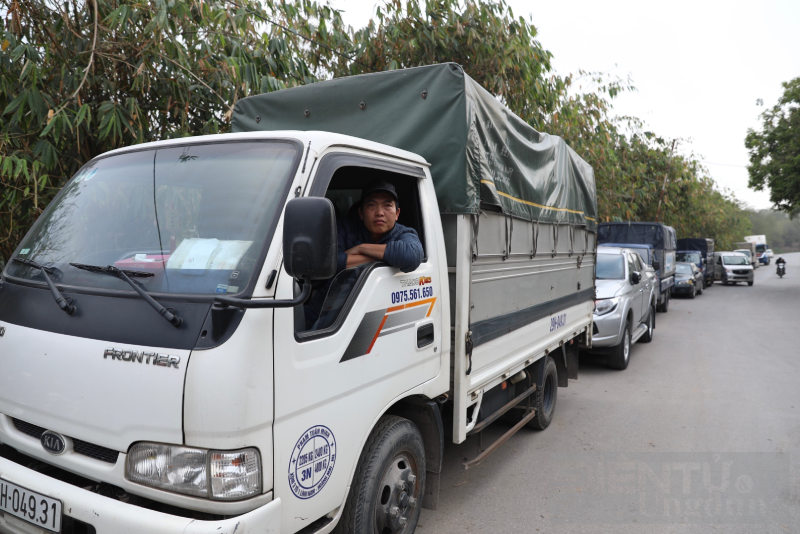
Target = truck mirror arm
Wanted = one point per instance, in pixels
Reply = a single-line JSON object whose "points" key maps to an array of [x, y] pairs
{"points": [[224, 302]]}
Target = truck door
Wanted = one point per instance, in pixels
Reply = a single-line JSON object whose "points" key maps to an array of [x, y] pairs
{"points": [[378, 336]]}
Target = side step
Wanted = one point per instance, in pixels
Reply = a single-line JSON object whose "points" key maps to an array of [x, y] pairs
{"points": [[492, 418], [639, 332]]}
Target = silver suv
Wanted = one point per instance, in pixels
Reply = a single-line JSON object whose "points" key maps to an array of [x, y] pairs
{"points": [[625, 309]]}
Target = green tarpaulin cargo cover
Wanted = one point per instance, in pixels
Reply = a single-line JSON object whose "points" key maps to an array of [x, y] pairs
{"points": [[480, 152]]}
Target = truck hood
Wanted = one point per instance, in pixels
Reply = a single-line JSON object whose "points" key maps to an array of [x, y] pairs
{"points": [[106, 393], [606, 289]]}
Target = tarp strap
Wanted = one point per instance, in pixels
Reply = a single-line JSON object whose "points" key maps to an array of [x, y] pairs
{"points": [[475, 228], [555, 240], [509, 231], [571, 239], [535, 233]]}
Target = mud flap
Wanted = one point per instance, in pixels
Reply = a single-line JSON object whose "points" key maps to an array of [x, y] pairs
{"points": [[567, 363]]}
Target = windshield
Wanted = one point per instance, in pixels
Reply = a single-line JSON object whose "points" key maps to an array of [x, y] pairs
{"points": [[735, 260], [195, 216], [610, 267], [682, 268], [692, 257]]}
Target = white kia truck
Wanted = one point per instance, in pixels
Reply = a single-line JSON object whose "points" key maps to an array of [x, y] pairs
{"points": [[158, 372]]}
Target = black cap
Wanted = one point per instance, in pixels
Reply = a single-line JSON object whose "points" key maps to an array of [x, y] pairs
{"points": [[376, 186]]}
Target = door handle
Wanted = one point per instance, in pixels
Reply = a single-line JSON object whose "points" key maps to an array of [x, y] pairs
{"points": [[425, 335]]}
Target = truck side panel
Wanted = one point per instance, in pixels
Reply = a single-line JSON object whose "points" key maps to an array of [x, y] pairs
{"points": [[526, 288]]}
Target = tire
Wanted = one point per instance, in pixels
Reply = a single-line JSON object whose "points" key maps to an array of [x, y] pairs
{"points": [[621, 354], [749, 283], [545, 397], [651, 326], [724, 281], [694, 292], [393, 460], [665, 306]]}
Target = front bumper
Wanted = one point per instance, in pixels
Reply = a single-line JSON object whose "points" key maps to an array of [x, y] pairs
{"points": [[740, 277], [108, 515], [681, 289], [609, 328]]}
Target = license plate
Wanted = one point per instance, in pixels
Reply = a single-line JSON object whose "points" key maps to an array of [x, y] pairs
{"points": [[30, 506]]}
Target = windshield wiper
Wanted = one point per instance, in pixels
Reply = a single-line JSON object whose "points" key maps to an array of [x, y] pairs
{"points": [[62, 302], [125, 274]]}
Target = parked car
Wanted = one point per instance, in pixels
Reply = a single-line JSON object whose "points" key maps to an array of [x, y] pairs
{"points": [[688, 280], [625, 309], [658, 237], [700, 251], [733, 267]]}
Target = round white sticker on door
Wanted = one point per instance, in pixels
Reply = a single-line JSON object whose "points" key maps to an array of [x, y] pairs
{"points": [[313, 458]]}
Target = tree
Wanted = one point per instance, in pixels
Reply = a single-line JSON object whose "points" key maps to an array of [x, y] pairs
{"points": [[775, 150], [83, 77]]}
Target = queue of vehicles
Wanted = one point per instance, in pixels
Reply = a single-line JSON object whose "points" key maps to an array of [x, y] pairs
{"points": [[161, 376]]}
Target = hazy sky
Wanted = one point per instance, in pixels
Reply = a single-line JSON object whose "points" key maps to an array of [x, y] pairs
{"points": [[698, 67]]}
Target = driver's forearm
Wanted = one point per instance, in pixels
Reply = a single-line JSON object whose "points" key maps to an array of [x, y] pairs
{"points": [[373, 251], [354, 260]]}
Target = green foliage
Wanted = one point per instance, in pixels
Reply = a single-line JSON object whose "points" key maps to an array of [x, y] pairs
{"points": [[641, 176], [78, 79], [498, 50], [775, 150], [783, 233]]}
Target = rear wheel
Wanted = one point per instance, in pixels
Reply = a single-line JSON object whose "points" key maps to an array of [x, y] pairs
{"points": [[665, 304], [545, 397], [389, 483], [620, 355]]}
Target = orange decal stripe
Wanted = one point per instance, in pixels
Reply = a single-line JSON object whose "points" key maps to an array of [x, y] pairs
{"points": [[375, 338], [394, 309], [430, 301]]}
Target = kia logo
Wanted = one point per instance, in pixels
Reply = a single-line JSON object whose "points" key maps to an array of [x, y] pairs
{"points": [[53, 443]]}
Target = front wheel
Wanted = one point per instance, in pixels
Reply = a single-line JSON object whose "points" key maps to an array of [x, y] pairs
{"points": [[651, 326], [621, 354], [545, 397], [694, 292], [749, 283], [389, 483]]}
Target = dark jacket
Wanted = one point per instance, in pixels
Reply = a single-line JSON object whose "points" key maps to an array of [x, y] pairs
{"points": [[403, 248]]}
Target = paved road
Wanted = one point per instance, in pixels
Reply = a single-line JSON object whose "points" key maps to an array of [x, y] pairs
{"points": [[700, 434]]}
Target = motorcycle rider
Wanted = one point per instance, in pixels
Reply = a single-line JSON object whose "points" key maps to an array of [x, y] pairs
{"points": [[780, 264]]}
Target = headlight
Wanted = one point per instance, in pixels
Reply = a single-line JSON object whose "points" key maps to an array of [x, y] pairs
{"points": [[604, 306], [232, 474]]}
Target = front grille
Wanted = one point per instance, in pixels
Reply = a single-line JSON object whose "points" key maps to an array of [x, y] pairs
{"points": [[741, 271], [97, 452], [104, 454]]}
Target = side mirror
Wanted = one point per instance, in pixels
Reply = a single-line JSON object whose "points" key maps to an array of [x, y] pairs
{"points": [[309, 238], [635, 278], [656, 265]]}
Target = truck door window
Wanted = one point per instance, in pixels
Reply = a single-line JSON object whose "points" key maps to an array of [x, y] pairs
{"points": [[332, 299]]}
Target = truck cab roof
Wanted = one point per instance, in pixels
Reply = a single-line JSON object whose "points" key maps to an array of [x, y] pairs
{"points": [[318, 141]]}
